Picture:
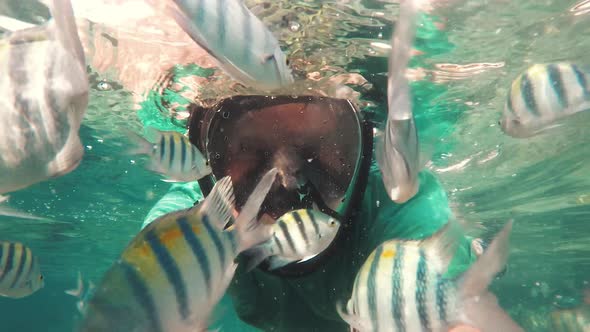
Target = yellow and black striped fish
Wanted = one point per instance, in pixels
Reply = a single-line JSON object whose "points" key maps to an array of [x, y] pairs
{"points": [[176, 269], [20, 274], [173, 155], [401, 287], [544, 94], [43, 98], [296, 236]]}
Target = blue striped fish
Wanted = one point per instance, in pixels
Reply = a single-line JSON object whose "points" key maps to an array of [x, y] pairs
{"points": [[397, 151], [20, 274], [173, 155], [43, 98], [543, 95], [176, 269], [296, 236], [237, 39], [401, 287]]}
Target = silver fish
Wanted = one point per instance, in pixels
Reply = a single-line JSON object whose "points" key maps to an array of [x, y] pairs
{"points": [[543, 95], [43, 98], [397, 150], [401, 287], [176, 269], [173, 155], [296, 236], [20, 274], [237, 39]]}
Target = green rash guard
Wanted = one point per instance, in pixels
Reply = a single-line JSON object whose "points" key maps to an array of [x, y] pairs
{"points": [[309, 303]]}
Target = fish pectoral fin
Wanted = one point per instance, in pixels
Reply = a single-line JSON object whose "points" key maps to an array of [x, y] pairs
{"points": [[355, 322], [220, 203], [79, 290]]}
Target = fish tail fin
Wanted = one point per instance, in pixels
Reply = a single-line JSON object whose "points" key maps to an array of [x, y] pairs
{"points": [[250, 231], [66, 29], [255, 255], [480, 307]]}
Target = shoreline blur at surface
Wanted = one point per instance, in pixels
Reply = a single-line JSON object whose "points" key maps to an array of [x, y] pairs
{"points": [[540, 182]]}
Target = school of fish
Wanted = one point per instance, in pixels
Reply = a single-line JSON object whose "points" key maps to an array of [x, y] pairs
{"points": [[175, 271]]}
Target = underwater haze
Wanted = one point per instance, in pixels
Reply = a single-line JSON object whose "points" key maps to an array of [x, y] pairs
{"points": [[467, 55]]}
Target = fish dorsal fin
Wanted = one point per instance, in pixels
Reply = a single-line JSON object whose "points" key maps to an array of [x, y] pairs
{"points": [[220, 203], [64, 24], [442, 245]]}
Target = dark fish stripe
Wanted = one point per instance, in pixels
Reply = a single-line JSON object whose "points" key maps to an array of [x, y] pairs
{"points": [[441, 301], [162, 147], [301, 227], [197, 248], [557, 84], [182, 154], [528, 95], [421, 291], [9, 258], [171, 138], [279, 245], [58, 117], [21, 265], [216, 240], [193, 156], [372, 287], [19, 77], [142, 295], [397, 300], [247, 29], [314, 222], [29, 269], [283, 227], [509, 104], [221, 22], [581, 78], [173, 274]]}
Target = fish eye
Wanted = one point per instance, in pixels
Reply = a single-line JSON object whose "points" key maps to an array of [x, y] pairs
{"points": [[332, 222], [41, 278], [103, 86]]}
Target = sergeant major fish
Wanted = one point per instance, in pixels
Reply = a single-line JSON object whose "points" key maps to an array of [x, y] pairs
{"points": [[20, 274], [237, 39], [543, 95], [177, 268], [401, 287], [397, 150], [43, 98], [173, 155], [296, 236]]}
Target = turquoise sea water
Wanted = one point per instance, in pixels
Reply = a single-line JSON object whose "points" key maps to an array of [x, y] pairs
{"points": [[542, 183]]}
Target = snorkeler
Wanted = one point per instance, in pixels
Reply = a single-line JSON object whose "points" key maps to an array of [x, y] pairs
{"points": [[323, 149]]}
